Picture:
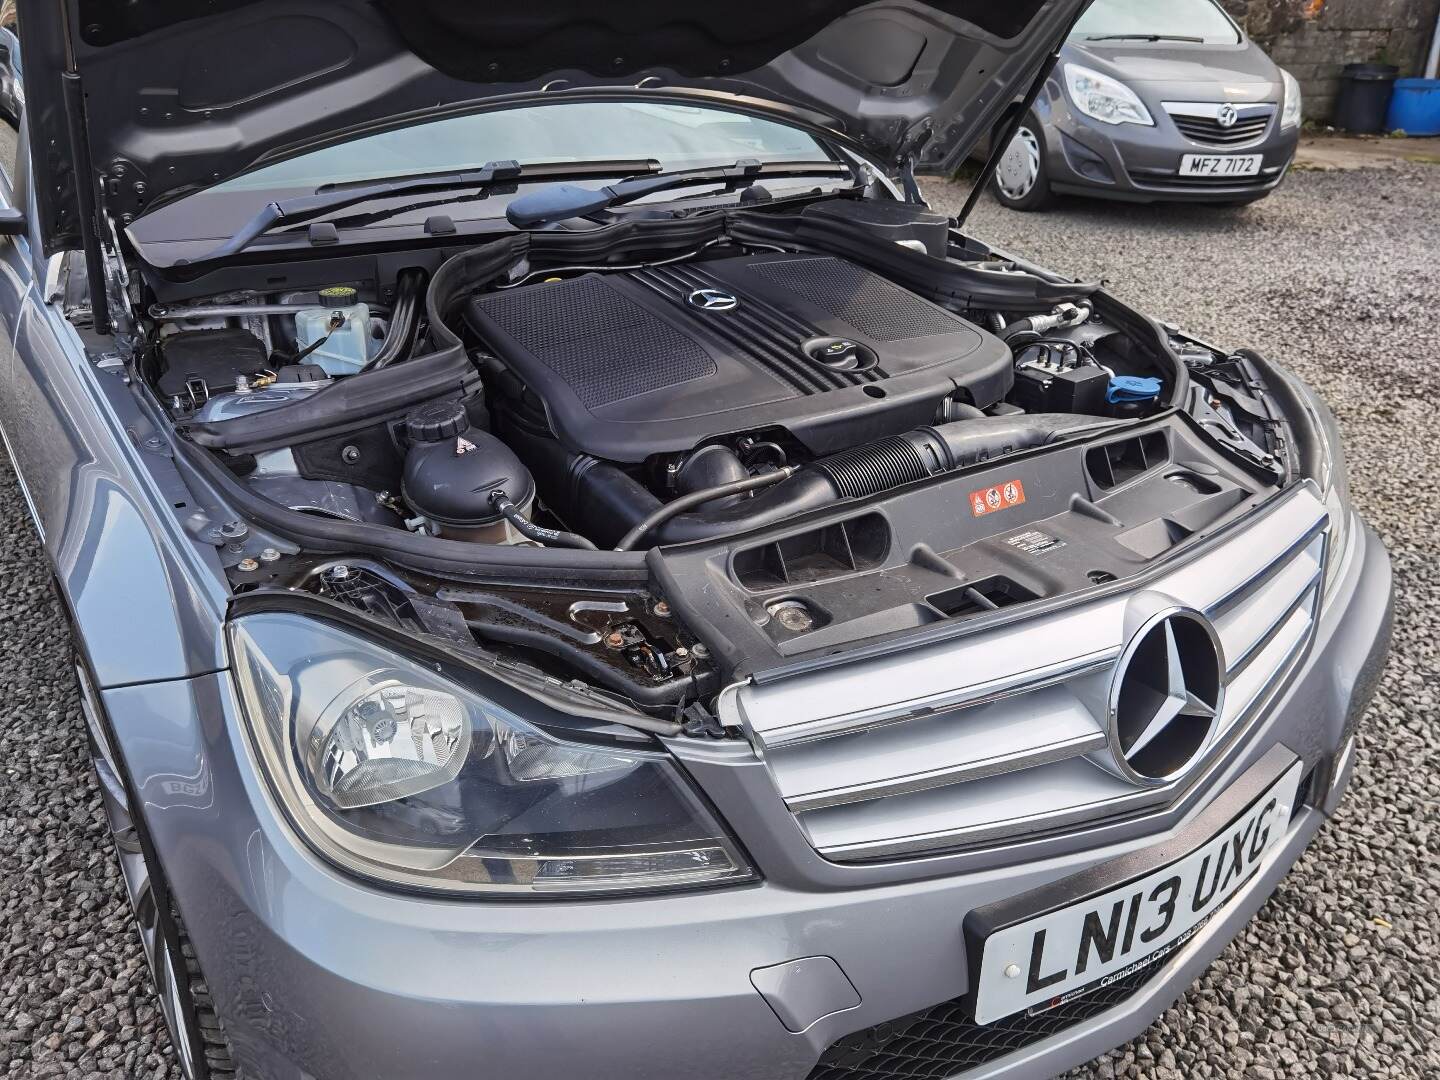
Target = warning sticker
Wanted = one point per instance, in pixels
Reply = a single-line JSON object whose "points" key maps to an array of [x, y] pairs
{"points": [[1035, 542], [1000, 497]]}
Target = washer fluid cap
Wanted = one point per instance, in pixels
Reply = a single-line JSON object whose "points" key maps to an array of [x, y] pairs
{"points": [[1127, 389], [337, 296]]}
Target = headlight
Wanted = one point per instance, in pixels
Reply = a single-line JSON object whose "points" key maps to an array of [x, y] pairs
{"points": [[1323, 460], [1105, 99], [406, 774], [1335, 482], [1294, 101]]}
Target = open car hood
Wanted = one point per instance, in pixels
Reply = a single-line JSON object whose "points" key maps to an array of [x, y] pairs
{"points": [[180, 94]]}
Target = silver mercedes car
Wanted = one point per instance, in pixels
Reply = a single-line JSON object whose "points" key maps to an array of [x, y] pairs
{"points": [[577, 571]]}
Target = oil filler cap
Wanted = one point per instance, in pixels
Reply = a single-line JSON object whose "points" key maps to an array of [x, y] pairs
{"points": [[840, 354], [437, 421]]}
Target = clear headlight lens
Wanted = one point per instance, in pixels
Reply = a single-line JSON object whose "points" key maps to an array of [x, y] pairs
{"points": [[1290, 114], [395, 771], [1105, 99], [1335, 482], [1326, 466]]}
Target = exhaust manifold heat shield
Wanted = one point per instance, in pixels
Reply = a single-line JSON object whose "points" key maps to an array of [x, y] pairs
{"points": [[642, 362]]}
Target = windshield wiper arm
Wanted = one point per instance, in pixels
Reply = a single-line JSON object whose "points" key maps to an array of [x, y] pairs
{"points": [[1145, 37], [561, 202], [326, 199]]}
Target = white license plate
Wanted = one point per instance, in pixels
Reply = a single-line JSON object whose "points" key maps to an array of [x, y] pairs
{"points": [[1220, 165], [1046, 961]]}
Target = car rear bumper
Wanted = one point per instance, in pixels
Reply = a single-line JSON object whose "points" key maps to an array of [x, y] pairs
{"points": [[1142, 164], [319, 976]]}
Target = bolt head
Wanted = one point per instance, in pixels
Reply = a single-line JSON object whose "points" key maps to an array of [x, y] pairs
{"points": [[248, 565], [662, 609], [796, 619], [615, 640], [269, 555]]}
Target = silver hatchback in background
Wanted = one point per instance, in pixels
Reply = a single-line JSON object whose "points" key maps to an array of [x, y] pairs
{"points": [[1155, 100]]}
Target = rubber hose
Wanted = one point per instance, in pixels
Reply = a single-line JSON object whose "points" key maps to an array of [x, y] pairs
{"points": [[528, 529], [404, 320], [697, 498]]}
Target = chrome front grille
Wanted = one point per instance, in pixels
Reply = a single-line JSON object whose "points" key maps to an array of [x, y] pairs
{"points": [[1204, 122], [996, 735]]}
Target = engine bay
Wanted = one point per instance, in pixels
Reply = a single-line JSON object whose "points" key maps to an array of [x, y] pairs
{"points": [[805, 408]]}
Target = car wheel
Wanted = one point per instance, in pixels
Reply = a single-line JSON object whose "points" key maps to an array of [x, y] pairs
{"points": [[196, 1032], [1021, 181]]}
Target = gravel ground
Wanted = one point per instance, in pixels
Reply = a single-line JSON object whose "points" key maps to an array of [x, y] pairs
{"points": [[1338, 276]]}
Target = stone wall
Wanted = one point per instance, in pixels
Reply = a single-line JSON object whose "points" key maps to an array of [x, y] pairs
{"points": [[1315, 39]]}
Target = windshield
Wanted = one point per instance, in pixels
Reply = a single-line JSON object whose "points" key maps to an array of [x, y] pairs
{"points": [[1167, 18], [677, 136]]}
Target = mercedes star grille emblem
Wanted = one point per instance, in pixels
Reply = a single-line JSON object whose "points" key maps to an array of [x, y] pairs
{"points": [[713, 300], [1166, 697], [1228, 116]]}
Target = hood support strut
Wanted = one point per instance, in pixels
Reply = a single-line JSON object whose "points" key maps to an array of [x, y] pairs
{"points": [[1008, 124], [85, 186]]}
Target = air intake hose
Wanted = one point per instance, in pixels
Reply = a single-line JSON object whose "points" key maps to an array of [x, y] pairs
{"points": [[851, 474], [903, 459]]}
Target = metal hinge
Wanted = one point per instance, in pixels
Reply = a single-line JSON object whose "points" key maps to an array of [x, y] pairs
{"points": [[916, 139], [117, 280]]}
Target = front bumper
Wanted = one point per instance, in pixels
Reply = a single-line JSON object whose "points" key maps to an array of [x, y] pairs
{"points": [[1141, 164], [319, 976]]}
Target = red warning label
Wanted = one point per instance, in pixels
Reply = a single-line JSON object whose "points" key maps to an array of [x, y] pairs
{"points": [[1000, 497]]}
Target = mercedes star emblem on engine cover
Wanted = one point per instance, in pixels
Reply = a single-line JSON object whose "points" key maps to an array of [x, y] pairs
{"points": [[1166, 697], [713, 300]]}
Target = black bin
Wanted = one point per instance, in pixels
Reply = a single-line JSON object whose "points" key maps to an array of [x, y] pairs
{"points": [[1364, 99]]}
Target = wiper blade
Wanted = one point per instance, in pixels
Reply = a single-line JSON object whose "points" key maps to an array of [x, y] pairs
{"points": [[561, 202], [338, 197], [1145, 37]]}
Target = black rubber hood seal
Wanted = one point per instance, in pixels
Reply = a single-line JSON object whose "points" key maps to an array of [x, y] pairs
{"points": [[171, 106]]}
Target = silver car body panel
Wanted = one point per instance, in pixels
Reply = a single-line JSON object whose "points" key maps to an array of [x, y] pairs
{"points": [[660, 988], [314, 972], [958, 760]]}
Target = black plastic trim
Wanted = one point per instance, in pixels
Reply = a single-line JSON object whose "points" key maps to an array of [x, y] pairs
{"points": [[349, 405], [519, 565]]}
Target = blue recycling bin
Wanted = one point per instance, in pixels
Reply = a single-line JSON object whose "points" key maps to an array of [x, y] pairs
{"points": [[1415, 107]]}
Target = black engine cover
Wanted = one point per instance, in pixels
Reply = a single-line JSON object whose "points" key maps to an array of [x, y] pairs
{"points": [[635, 363]]}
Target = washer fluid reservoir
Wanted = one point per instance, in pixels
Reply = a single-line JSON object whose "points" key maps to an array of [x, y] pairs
{"points": [[342, 324]]}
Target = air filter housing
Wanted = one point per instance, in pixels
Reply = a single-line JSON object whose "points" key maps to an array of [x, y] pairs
{"points": [[635, 363]]}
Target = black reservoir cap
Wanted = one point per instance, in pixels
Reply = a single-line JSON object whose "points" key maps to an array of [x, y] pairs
{"points": [[436, 421]]}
